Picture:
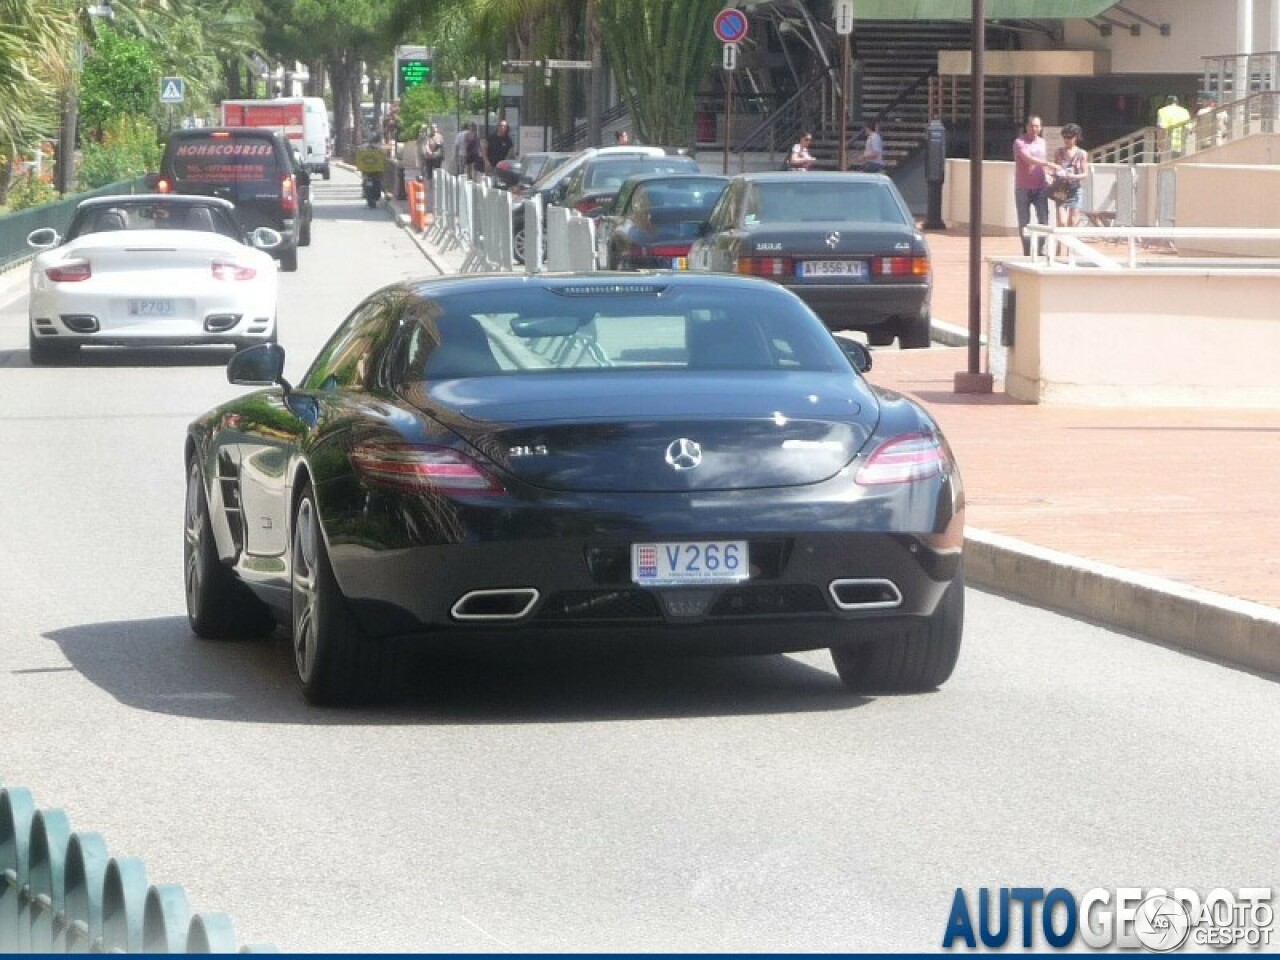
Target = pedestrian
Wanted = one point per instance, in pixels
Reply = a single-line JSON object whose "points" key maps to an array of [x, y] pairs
{"points": [[498, 146], [800, 158], [1172, 119], [1030, 184], [1072, 163], [431, 150], [460, 151], [473, 151], [622, 138], [873, 149]]}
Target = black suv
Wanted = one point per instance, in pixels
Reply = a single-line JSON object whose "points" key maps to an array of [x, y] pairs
{"points": [[250, 167]]}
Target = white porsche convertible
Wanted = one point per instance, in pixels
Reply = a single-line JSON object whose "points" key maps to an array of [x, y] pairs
{"points": [[151, 270]]}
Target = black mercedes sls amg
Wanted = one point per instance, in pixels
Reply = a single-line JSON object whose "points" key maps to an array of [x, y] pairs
{"points": [[664, 459]]}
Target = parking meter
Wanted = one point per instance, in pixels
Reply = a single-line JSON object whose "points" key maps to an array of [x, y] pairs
{"points": [[935, 172]]}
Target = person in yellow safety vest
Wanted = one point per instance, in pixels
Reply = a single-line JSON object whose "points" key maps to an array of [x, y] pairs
{"points": [[1170, 118], [371, 159]]}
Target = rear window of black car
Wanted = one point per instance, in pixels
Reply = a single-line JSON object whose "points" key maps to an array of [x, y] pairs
{"points": [[611, 173], [219, 159], [822, 201], [540, 331]]}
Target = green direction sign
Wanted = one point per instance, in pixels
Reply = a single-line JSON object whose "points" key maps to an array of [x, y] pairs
{"points": [[414, 73]]}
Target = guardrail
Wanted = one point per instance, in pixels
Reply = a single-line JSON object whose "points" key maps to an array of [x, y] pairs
{"points": [[476, 218], [14, 227], [61, 893], [1052, 242]]}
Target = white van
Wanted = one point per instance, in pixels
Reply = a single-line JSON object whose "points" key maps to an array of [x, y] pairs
{"points": [[303, 120]]}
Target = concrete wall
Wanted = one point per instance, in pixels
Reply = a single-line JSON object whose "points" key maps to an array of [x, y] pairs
{"points": [[1165, 336]]}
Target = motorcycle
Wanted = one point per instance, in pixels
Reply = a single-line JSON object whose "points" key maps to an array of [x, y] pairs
{"points": [[371, 187]]}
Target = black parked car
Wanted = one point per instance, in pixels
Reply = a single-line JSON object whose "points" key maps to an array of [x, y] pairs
{"points": [[251, 167], [593, 187], [845, 243], [654, 219], [668, 461]]}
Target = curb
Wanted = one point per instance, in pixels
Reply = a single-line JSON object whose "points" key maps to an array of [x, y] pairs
{"points": [[1201, 622]]}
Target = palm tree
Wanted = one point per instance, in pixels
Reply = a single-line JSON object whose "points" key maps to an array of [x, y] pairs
{"points": [[35, 39]]}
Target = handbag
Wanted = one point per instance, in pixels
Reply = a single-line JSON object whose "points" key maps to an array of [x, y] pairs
{"points": [[1063, 190]]}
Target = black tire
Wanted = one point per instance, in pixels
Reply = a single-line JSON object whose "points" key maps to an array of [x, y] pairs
{"points": [[45, 352], [335, 662], [289, 260], [919, 661], [325, 172], [218, 605], [880, 337], [304, 235], [915, 334]]}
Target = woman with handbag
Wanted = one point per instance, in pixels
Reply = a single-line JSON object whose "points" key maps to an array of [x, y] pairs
{"points": [[1072, 163]]}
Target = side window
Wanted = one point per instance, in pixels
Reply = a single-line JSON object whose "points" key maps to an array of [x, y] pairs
{"points": [[722, 217], [345, 362]]}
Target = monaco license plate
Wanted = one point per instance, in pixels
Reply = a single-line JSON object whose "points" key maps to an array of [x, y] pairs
{"points": [[833, 268], [151, 308], [679, 263], [698, 562]]}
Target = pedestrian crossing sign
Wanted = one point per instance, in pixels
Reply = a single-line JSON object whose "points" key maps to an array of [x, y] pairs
{"points": [[172, 89]]}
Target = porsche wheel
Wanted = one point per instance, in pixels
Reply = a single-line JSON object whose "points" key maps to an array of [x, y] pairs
{"points": [[517, 245], [335, 662], [919, 661], [218, 605]]}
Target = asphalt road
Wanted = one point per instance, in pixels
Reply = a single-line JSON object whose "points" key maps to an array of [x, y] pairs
{"points": [[556, 805]]}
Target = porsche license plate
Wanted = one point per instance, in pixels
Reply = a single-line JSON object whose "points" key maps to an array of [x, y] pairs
{"points": [[151, 308], [697, 562], [854, 269]]}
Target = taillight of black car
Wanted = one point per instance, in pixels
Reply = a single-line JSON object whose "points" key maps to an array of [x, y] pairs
{"points": [[906, 459], [418, 468], [879, 268]]}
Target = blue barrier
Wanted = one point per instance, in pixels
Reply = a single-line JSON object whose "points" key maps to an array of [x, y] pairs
{"points": [[60, 892]]}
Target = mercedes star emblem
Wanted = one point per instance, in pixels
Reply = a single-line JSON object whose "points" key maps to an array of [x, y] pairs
{"points": [[833, 239], [684, 454]]}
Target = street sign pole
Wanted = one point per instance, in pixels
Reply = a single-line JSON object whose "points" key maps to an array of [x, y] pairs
{"points": [[730, 64], [844, 27]]}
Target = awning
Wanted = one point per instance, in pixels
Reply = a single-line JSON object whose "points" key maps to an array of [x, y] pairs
{"points": [[995, 9]]}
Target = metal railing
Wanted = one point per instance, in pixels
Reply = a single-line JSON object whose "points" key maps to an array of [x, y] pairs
{"points": [[1065, 246], [60, 892], [14, 227], [475, 218], [785, 124], [1256, 113]]}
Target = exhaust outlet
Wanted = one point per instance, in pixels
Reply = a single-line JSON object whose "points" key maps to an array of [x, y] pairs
{"points": [[221, 322], [866, 594], [507, 604]]}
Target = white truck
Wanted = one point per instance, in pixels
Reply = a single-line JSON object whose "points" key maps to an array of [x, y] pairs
{"points": [[303, 120]]}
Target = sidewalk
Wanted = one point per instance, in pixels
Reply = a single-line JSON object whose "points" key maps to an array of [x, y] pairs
{"points": [[1163, 522]]}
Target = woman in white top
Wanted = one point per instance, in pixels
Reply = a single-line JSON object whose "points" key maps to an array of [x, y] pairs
{"points": [[800, 158]]}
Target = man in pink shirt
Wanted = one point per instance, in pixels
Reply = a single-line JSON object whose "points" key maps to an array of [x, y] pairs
{"points": [[1030, 188]]}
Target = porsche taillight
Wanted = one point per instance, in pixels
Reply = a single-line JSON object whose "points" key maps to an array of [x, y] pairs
{"points": [[765, 266], [73, 271], [417, 468], [231, 271], [899, 266], [905, 459], [288, 195]]}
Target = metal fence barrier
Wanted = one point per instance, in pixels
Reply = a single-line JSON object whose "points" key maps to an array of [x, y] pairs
{"points": [[60, 892], [14, 227], [476, 219]]}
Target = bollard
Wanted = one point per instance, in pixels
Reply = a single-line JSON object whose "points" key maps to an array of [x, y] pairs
{"points": [[165, 919], [86, 867], [124, 898], [16, 812], [50, 834], [211, 933], [420, 206]]}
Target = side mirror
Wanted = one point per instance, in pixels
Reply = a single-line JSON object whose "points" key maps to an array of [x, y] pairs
{"points": [[264, 238], [857, 353], [258, 366], [43, 239]]}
